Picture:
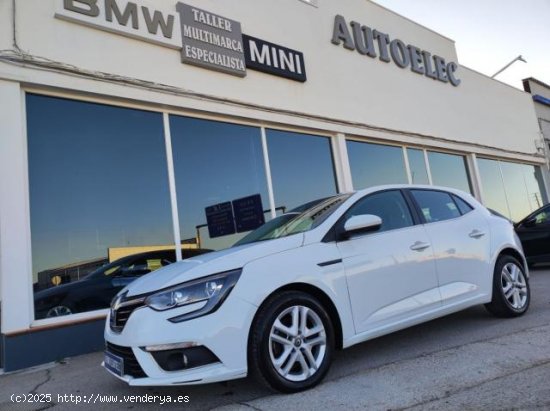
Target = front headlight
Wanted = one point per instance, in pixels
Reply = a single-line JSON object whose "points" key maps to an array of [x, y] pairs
{"points": [[213, 289]]}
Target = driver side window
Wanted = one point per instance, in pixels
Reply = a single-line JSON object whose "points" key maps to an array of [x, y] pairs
{"points": [[135, 268], [390, 206], [543, 218]]}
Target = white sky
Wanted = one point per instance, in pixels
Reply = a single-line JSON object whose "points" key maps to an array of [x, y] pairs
{"points": [[489, 33]]}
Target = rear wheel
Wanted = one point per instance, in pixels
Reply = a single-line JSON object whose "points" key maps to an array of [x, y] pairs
{"points": [[292, 342], [511, 292]]}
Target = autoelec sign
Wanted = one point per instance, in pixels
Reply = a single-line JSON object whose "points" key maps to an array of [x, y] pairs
{"points": [[205, 39], [376, 44]]}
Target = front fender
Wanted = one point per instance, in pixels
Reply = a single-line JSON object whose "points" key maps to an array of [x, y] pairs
{"points": [[262, 277]]}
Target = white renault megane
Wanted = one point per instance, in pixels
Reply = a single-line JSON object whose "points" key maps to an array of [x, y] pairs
{"points": [[348, 269]]}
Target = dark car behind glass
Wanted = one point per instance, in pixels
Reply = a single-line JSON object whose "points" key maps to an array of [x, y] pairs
{"points": [[534, 233], [96, 290]]}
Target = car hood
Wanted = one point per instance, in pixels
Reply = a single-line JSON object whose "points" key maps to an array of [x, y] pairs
{"points": [[211, 263]]}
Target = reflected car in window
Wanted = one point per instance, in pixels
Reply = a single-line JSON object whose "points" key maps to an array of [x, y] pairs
{"points": [[534, 233], [96, 290], [344, 270]]}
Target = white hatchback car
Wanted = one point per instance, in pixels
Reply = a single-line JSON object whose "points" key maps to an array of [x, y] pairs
{"points": [[348, 269]]}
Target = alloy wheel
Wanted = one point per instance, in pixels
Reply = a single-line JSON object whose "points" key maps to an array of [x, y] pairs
{"points": [[58, 311], [297, 343], [514, 286]]}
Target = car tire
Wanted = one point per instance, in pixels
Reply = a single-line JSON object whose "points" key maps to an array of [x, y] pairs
{"points": [[511, 290], [291, 342], [60, 310]]}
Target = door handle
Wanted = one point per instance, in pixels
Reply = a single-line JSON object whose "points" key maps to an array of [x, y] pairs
{"points": [[419, 246], [476, 234]]}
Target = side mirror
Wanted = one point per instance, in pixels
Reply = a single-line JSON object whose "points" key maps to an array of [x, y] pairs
{"points": [[362, 224]]}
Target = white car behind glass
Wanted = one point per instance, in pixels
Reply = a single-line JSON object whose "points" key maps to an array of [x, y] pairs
{"points": [[348, 269]]}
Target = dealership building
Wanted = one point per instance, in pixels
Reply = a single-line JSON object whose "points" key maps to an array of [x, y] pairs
{"points": [[541, 98], [128, 126]]}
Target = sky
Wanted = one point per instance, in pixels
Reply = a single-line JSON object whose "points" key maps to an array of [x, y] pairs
{"points": [[489, 33]]}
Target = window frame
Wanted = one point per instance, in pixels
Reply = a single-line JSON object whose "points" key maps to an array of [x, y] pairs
{"points": [[334, 234], [338, 167], [410, 194], [455, 197]]}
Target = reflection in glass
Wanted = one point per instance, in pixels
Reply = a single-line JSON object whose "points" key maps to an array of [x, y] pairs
{"points": [[449, 170], [522, 189], [98, 184], [375, 164], [302, 169], [417, 165], [494, 195], [295, 222], [97, 289], [514, 190], [214, 163]]}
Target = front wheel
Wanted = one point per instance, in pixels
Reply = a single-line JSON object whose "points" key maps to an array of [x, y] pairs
{"points": [[511, 291], [292, 342]]}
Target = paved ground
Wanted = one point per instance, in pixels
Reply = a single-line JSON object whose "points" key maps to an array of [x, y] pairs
{"points": [[469, 360]]}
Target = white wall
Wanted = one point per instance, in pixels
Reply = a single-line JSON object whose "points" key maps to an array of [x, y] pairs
{"points": [[5, 24], [341, 84], [15, 251]]}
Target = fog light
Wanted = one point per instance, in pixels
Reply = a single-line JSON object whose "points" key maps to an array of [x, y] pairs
{"points": [[166, 347], [184, 358]]}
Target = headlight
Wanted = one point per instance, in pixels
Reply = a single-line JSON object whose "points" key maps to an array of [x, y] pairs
{"points": [[213, 289]]}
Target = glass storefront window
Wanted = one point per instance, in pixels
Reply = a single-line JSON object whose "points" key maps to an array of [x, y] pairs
{"points": [[417, 164], [302, 168], [215, 163], [449, 170], [375, 164], [98, 191], [513, 189], [494, 195]]}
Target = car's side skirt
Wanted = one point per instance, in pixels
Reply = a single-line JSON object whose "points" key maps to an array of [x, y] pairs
{"points": [[432, 314]]}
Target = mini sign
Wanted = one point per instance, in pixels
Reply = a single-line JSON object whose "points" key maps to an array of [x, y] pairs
{"points": [[219, 218], [249, 213], [271, 58]]}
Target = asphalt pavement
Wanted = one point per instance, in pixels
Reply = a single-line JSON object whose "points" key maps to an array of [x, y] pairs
{"points": [[468, 360]]}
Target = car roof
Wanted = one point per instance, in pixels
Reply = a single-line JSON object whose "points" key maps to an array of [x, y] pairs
{"points": [[373, 189]]}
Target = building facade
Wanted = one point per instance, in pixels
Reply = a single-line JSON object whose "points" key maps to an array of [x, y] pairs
{"points": [[541, 98], [148, 125]]}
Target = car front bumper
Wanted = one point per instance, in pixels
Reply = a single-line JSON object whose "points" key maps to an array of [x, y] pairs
{"points": [[224, 333]]}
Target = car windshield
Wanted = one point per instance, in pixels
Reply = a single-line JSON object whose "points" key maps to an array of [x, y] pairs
{"points": [[106, 269], [295, 222]]}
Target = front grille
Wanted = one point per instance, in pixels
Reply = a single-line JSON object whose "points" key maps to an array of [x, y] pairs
{"points": [[131, 365], [121, 309]]}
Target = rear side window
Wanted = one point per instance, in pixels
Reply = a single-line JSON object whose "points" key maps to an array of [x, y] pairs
{"points": [[436, 205], [390, 206], [463, 206]]}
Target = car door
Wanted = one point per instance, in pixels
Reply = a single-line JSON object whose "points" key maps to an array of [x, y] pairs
{"points": [[390, 273], [534, 233], [460, 237]]}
